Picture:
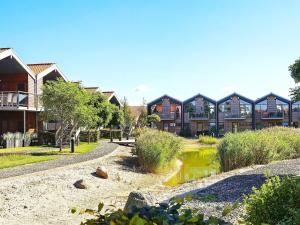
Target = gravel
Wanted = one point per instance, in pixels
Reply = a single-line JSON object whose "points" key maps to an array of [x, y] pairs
{"points": [[231, 189], [102, 149]]}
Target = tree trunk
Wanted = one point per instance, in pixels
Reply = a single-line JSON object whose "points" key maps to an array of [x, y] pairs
{"points": [[89, 136]]}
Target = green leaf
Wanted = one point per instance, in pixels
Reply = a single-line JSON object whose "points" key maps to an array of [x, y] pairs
{"points": [[100, 206]]}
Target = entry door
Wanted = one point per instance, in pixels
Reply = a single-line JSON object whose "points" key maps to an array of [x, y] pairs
{"points": [[199, 127], [166, 127], [235, 127]]}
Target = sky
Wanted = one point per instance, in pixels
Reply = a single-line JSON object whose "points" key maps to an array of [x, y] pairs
{"points": [[144, 49]]}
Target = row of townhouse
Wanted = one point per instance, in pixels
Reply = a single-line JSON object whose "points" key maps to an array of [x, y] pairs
{"points": [[20, 87], [202, 115]]}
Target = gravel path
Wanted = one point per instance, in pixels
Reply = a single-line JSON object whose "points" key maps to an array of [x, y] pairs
{"points": [[46, 197], [226, 189], [102, 149]]}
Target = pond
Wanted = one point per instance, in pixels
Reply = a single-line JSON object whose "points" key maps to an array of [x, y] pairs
{"points": [[196, 163]]}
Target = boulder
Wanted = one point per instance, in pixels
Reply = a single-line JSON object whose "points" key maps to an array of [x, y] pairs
{"points": [[80, 184], [102, 172], [138, 200]]}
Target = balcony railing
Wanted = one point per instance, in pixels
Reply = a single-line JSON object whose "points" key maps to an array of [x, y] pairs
{"points": [[230, 115], [167, 116], [18, 99], [272, 115], [198, 116]]}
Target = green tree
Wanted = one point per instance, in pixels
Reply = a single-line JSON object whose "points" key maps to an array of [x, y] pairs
{"points": [[68, 104], [117, 120], [128, 118], [295, 74], [153, 118], [143, 116], [104, 109]]}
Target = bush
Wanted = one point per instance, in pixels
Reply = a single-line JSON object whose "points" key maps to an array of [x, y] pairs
{"points": [[94, 136], [258, 147], [156, 149], [163, 214], [277, 202], [209, 140], [105, 133]]}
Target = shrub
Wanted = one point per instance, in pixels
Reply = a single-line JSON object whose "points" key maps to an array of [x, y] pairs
{"points": [[209, 140], [156, 149], [94, 136], [164, 213], [258, 147], [276, 202]]}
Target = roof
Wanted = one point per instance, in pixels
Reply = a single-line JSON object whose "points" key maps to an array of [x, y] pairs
{"points": [[39, 67], [162, 97], [4, 49], [235, 94], [199, 95], [8, 52], [43, 69], [109, 94], [136, 111], [272, 94], [92, 89]]}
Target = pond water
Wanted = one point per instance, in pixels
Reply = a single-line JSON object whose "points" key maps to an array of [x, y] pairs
{"points": [[201, 162]]}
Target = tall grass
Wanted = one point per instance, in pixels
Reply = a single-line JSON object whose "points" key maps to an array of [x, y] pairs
{"points": [[156, 149], [258, 147], [209, 140]]}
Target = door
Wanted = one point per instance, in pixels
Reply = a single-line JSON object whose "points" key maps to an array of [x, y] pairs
{"points": [[199, 127], [166, 127], [235, 127]]}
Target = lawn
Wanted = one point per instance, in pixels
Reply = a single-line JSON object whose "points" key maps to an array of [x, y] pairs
{"points": [[22, 149], [48, 154], [17, 160]]}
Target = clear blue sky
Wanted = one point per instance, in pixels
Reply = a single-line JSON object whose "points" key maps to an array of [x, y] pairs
{"points": [[149, 48]]}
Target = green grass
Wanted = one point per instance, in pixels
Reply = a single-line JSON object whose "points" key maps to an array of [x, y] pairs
{"points": [[83, 148], [18, 160], [208, 140], [22, 149]]}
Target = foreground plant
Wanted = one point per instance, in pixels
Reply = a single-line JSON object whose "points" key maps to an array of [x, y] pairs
{"points": [[277, 202], [163, 214]]}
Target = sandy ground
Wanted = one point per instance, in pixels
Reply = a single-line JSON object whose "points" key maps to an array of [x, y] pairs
{"points": [[46, 197]]}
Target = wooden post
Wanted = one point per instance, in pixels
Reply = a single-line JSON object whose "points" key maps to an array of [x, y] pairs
{"points": [[111, 137]]}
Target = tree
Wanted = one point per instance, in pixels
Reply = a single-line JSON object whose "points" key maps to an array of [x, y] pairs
{"points": [[295, 74], [117, 119], [128, 118], [153, 118], [143, 116], [68, 104], [104, 108]]}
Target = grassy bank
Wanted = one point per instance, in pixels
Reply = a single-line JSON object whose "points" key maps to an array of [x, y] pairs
{"points": [[156, 150], [258, 147]]}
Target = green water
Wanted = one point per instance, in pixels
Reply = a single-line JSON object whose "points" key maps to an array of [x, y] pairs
{"points": [[198, 163]]}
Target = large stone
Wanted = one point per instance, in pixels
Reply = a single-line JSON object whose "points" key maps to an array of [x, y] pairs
{"points": [[80, 184], [102, 172], [138, 200]]}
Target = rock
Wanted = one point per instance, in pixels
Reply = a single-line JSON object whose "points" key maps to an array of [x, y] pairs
{"points": [[138, 200], [102, 172], [80, 184]]}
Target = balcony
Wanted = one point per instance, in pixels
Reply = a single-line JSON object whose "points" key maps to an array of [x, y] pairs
{"points": [[198, 116], [18, 100], [167, 116], [272, 115], [233, 116]]}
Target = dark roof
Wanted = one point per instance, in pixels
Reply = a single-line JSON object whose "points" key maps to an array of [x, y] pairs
{"points": [[162, 97], [199, 95], [272, 94], [235, 94]]}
